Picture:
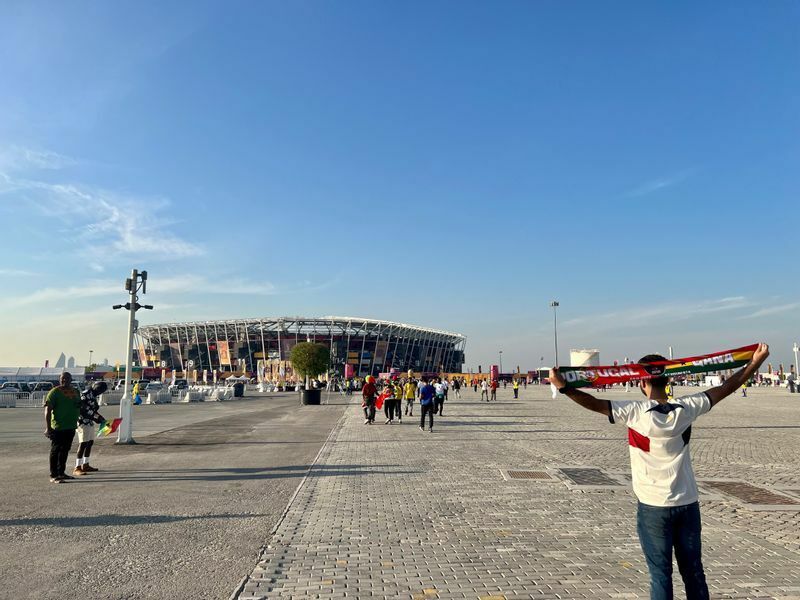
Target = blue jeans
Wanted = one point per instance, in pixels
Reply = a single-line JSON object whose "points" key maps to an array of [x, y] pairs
{"points": [[662, 528]]}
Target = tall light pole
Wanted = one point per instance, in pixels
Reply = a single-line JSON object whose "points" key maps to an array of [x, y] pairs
{"points": [[501, 362], [90, 357], [137, 281], [554, 304], [796, 348]]}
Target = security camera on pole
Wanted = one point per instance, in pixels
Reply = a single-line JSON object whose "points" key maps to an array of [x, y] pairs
{"points": [[136, 282]]}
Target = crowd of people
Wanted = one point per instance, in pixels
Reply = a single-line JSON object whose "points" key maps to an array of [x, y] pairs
{"points": [[398, 397]]}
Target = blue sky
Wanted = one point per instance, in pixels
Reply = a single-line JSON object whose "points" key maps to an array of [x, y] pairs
{"points": [[449, 164]]}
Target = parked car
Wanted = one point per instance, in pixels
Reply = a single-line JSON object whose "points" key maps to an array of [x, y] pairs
{"points": [[42, 386], [153, 387], [10, 388]]}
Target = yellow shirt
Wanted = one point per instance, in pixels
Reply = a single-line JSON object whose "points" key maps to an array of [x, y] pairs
{"points": [[410, 390]]}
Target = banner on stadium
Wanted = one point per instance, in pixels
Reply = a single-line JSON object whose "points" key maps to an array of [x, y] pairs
{"points": [[142, 356], [224, 353], [175, 356], [286, 348], [381, 348]]}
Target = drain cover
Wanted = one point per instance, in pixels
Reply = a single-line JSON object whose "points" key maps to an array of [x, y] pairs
{"points": [[752, 495], [589, 477], [528, 475]]}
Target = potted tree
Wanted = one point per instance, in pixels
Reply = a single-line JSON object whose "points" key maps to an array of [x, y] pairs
{"points": [[309, 360]]}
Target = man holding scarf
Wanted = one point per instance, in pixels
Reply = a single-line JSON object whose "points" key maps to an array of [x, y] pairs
{"points": [[659, 430]]}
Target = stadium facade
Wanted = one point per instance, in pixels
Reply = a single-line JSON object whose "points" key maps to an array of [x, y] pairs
{"points": [[369, 346]]}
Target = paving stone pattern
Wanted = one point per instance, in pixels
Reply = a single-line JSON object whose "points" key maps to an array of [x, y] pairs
{"points": [[389, 511]]}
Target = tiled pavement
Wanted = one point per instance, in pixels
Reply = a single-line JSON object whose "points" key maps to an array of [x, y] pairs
{"points": [[392, 512]]}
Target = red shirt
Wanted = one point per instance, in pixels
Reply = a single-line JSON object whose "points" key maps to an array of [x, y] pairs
{"points": [[369, 390]]}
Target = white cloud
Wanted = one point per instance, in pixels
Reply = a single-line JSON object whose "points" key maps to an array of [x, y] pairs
{"points": [[657, 314], [168, 286], [110, 226], [17, 273], [17, 158], [654, 185], [772, 310]]}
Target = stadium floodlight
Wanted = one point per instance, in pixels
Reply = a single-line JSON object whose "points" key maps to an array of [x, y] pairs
{"points": [[117, 306]]}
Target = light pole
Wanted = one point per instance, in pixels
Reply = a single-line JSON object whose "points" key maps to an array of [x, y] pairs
{"points": [[90, 358], [796, 348], [501, 362], [137, 281], [554, 304]]}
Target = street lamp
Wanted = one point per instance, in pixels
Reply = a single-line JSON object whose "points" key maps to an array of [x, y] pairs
{"points": [[501, 362], [796, 348], [554, 305], [90, 357], [137, 281]]}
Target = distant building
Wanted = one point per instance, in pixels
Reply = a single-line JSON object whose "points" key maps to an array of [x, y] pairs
{"points": [[364, 346], [584, 358], [71, 362], [61, 362]]}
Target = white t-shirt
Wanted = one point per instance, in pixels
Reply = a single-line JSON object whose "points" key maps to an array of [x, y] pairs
{"points": [[658, 439], [439, 387], [484, 387]]}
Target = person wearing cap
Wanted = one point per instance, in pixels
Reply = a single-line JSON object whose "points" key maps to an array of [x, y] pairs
{"points": [[663, 480], [89, 416]]}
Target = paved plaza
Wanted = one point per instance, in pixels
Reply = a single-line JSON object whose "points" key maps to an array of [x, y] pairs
{"points": [[529, 498]]}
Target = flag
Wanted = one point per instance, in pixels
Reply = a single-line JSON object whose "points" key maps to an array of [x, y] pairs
{"points": [[577, 377], [108, 427], [379, 400]]}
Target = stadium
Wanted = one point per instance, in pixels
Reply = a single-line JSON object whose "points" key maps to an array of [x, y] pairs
{"points": [[358, 347]]}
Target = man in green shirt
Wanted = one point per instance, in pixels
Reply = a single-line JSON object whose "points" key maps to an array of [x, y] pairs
{"points": [[61, 412]]}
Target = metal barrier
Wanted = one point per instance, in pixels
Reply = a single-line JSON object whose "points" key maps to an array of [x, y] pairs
{"points": [[111, 398], [159, 397], [22, 399]]}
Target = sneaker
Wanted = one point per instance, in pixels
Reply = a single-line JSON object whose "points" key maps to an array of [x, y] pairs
{"points": [[65, 476], [56, 480], [387, 421], [421, 428], [78, 472], [88, 469], [366, 421], [430, 430]]}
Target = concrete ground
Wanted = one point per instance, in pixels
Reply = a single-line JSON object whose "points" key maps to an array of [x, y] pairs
{"points": [[183, 514], [421, 515], [211, 494]]}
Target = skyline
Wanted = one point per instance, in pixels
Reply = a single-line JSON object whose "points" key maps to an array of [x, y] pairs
{"points": [[454, 166]]}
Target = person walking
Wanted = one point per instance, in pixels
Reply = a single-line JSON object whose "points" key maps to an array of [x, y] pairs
{"points": [[397, 388], [89, 416], [457, 387], [388, 402], [475, 385], [516, 388], [426, 394], [440, 394], [493, 387], [368, 393], [62, 407], [668, 514], [410, 394], [484, 390]]}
